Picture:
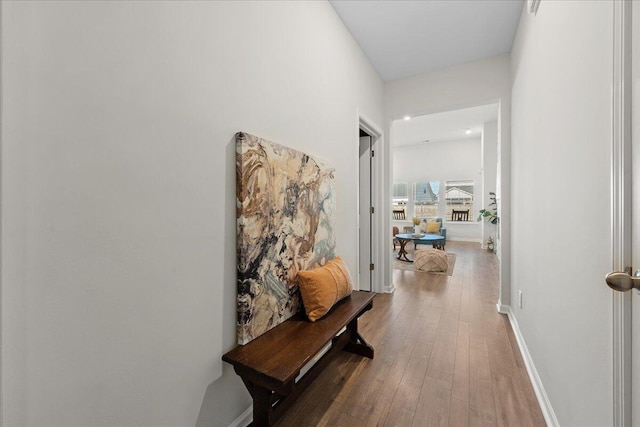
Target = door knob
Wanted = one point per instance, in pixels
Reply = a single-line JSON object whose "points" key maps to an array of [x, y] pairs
{"points": [[621, 281]]}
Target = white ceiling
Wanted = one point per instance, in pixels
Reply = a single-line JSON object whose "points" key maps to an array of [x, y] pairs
{"points": [[441, 127], [406, 38]]}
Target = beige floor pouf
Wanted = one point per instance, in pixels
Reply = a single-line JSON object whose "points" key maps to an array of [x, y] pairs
{"points": [[430, 260]]}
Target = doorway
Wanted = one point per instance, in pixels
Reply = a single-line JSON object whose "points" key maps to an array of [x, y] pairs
{"points": [[366, 211], [446, 163], [370, 216]]}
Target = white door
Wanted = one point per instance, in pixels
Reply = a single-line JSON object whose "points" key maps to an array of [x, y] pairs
{"points": [[627, 322], [364, 204]]}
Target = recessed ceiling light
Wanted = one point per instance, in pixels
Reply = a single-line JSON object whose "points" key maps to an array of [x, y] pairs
{"points": [[468, 131], [426, 140], [407, 117]]}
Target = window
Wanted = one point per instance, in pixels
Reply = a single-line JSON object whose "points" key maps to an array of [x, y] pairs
{"points": [[459, 199], [425, 197], [400, 199]]}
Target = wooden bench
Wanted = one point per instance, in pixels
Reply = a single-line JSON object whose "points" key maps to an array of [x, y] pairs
{"points": [[270, 364]]}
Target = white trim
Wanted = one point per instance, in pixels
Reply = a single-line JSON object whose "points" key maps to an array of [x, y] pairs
{"points": [[390, 288], [543, 400], [621, 209], [2, 334], [463, 239], [445, 109], [532, 6], [369, 126], [366, 173], [382, 209], [244, 419], [463, 223]]}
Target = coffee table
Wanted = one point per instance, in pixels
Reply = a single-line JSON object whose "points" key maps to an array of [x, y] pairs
{"points": [[436, 240]]}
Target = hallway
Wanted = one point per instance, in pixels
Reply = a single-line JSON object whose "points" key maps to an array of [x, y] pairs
{"points": [[444, 356]]}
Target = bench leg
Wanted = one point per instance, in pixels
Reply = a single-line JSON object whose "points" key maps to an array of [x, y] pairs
{"points": [[262, 404], [262, 408], [357, 344]]}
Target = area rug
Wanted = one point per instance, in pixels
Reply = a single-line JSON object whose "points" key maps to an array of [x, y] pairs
{"points": [[408, 266]]}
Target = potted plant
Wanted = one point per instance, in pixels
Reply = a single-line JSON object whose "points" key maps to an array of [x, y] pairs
{"points": [[490, 213], [490, 244], [416, 223]]}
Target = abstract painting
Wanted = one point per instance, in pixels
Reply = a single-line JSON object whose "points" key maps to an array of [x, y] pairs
{"points": [[285, 215]]}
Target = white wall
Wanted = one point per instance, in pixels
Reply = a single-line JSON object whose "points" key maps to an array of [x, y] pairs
{"points": [[477, 83], [489, 176], [443, 161], [561, 247], [118, 192]]}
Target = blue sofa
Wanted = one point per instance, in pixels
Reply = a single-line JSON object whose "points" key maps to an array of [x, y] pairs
{"points": [[443, 231]]}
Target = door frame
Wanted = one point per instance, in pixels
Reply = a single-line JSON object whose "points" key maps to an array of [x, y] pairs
{"points": [[365, 203], [377, 198], [621, 204]]}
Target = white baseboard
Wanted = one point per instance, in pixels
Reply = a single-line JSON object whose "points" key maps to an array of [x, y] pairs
{"points": [[463, 239], [244, 419], [389, 289], [543, 400]]}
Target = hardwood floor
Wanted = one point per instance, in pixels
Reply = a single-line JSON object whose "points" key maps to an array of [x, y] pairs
{"points": [[444, 356]]}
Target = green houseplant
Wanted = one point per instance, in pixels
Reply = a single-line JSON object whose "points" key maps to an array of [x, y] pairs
{"points": [[490, 213]]}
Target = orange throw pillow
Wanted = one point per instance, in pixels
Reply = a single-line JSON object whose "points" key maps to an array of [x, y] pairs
{"points": [[324, 286], [433, 227]]}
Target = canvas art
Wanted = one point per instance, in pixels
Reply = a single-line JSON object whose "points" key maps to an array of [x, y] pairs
{"points": [[285, 215]]}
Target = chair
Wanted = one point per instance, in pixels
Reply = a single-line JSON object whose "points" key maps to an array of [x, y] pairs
{"points": [[460, 215], [395, 241], [399, 214]]}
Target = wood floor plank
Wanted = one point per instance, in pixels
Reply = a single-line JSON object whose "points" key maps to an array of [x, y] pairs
{"points": [[481, 402], [514, 344], [461, 371], [532, 402], [403, 406], [435, 401], [443, 356], [459, 412], [501, 353], [377, 401], [511, 406]]}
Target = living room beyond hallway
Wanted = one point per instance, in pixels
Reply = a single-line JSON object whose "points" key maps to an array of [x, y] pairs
{"points": [[443, 356]]}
